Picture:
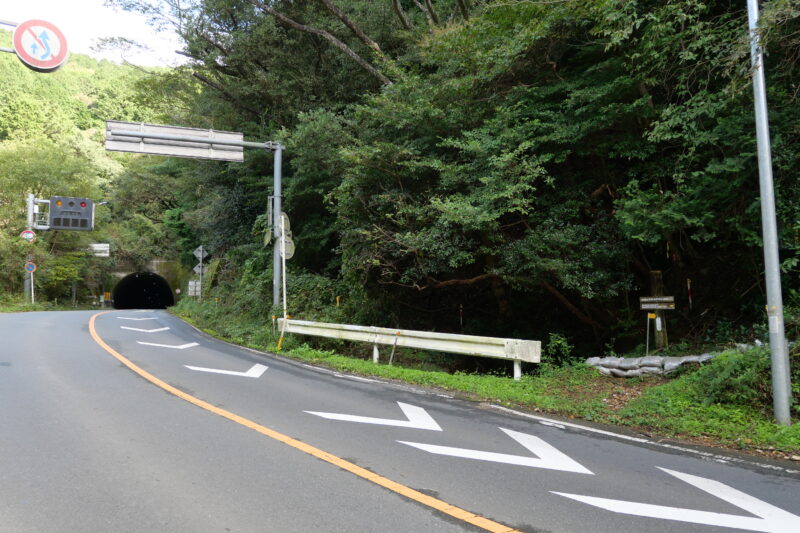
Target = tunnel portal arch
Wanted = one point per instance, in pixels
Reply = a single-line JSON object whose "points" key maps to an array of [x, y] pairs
{"points": [[142, 290]]}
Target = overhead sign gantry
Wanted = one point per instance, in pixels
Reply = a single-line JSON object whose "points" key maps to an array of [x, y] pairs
{"points": [[198, 143]]}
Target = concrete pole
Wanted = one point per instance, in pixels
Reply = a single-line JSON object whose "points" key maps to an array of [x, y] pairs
{"points": [[276, 227], [781, 385]]}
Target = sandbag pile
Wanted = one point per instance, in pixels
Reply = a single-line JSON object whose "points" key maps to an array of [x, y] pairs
{"points": [[628, 367]]}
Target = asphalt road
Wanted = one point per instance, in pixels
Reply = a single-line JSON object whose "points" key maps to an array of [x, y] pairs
{"points": [[105, 427]]}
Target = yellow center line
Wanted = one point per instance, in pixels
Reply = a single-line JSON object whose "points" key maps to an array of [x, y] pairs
{"points": [[424, 499]]}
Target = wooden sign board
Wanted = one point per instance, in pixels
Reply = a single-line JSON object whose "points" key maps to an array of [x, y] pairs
{"points": [[647, 303]]}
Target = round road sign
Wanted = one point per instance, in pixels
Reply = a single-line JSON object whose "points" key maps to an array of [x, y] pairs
{"points": [[28, 235], [40, 45], [30, 267], [288, 245]]}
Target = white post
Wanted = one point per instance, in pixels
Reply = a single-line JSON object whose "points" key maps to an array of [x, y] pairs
{"points": [[517, 370], [375, 354]]}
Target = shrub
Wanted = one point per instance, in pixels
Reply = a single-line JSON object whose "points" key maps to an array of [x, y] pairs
{"points": [[744, 378]]}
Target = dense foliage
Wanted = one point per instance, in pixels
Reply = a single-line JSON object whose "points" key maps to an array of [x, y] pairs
{"points": [[51, 143], [512, 168]]}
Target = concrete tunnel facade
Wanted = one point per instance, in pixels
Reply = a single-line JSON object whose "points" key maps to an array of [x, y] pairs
{"points": [[142, 290]]}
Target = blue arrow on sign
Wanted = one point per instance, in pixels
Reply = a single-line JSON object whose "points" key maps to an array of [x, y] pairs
{"points": [[45, 37]]}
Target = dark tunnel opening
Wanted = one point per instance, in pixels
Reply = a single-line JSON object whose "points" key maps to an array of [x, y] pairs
{"points": [[142, 290]]}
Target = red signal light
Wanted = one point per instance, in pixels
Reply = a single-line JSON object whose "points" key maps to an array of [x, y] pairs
{"points": [[83, 204]]}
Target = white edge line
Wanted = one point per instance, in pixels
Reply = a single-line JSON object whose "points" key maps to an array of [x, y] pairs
{"points": [[357, 378], [708, 455]]}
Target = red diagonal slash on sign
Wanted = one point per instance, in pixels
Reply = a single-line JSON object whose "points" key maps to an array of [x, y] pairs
{"points": [[38, 41]]}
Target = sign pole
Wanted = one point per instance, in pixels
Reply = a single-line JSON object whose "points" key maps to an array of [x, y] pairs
{"points": [[33, 299], [657, 290], [781, 382], [200, 292], [276, 224], [27, 284], [283, 265]]}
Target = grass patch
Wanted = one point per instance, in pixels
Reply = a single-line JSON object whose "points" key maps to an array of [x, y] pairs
{"points": [[728, 399], [20, 306], [726, 402]]}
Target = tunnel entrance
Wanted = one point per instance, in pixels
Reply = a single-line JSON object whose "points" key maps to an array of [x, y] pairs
{"points": [[142, 290]]}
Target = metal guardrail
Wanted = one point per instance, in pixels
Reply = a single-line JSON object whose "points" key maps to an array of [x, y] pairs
{"points": [[515, 350]]}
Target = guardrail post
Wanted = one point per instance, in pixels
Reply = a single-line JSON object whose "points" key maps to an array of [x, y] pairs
{"points": [[375, 354], [517, 370]]}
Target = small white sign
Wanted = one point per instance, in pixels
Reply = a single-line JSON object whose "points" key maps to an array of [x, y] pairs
{"points": [[287, 227], [194, 288], [100, 249], [288, 248]]}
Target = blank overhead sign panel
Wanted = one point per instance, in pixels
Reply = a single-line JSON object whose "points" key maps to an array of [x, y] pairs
{"points": [[174, 141]]}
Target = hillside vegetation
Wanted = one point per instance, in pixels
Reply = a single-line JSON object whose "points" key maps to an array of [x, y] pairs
{"points": [[508, 168]]}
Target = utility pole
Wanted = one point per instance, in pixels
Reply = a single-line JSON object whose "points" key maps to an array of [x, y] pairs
{"points": [[781, 384]]}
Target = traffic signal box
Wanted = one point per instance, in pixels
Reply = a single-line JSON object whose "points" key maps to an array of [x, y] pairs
{"points": [[71, 213]]}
